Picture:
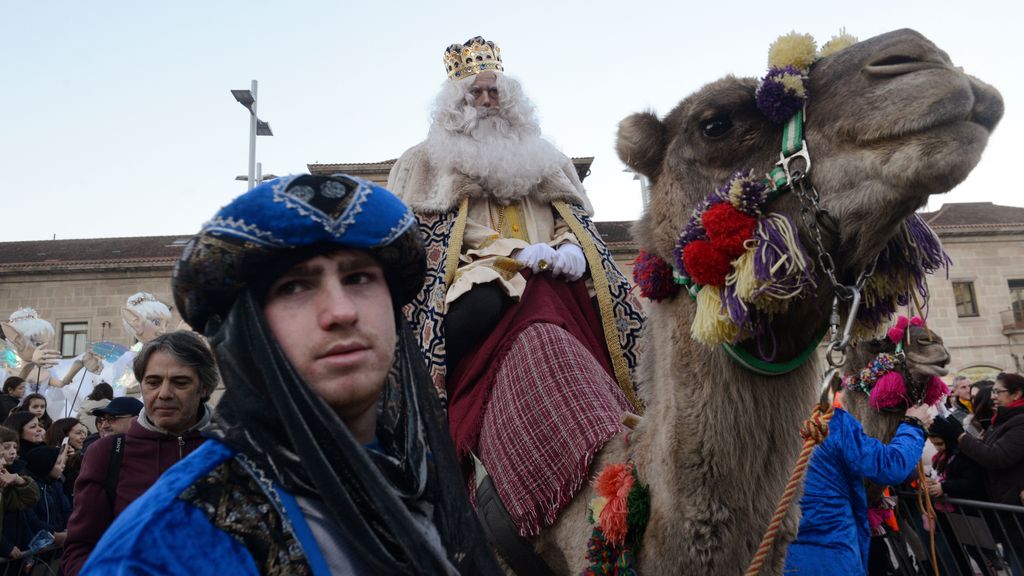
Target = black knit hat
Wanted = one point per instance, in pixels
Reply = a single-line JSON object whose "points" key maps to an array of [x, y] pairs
{"points": [[41, 460]]}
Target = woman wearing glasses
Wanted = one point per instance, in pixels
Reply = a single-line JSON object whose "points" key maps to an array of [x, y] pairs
{"points": [[1001, 450]]}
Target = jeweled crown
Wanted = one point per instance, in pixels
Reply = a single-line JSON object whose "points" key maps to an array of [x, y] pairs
{"points": [[474, 56]]}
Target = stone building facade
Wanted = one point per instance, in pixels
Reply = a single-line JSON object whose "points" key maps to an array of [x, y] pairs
{"points": [[81, 285], [979, 308]]}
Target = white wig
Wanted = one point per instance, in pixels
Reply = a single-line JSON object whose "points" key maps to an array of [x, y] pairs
{"points": [[31, 326], [147, 306], [502, 147]]}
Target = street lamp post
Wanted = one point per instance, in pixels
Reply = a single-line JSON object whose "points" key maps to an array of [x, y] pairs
{"points": [[257, 127]]}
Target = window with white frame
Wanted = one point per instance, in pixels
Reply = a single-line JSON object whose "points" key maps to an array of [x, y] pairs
{"points": [[73, 336]]}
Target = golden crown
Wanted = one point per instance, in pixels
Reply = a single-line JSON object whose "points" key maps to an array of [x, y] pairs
{"points": [[476, 55]]}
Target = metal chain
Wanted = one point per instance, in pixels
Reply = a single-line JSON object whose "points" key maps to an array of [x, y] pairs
{"points": [[810, 213]]}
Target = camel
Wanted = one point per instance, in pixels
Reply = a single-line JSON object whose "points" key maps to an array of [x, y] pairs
{"points": [[890, 121]]}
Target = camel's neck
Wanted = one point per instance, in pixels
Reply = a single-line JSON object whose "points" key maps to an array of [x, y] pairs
{"points": [[717, 440]]}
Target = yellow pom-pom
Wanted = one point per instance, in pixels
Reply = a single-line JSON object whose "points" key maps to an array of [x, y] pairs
{"points": [[596, 507], [712, 325], [837, 43], [743, 276], [794, 84], [797, 50]]}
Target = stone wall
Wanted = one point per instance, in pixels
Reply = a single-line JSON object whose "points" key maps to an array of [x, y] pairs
{"points": [[95, 297], [989, 261]]}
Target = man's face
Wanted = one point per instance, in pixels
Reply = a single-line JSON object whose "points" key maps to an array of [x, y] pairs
{"points": [[108, 425], [333, 318], [485, 90], [171, 393], [963, 390]]}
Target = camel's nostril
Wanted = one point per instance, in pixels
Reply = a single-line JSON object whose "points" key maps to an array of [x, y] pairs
{"points": [[894, 60]]}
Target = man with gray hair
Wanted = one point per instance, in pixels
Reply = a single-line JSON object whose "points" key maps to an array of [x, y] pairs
{"points": [[520, 289], [178, 374], [961, 398]]}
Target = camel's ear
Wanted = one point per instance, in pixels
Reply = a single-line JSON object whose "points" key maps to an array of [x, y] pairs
{"points": [[641, 143]]}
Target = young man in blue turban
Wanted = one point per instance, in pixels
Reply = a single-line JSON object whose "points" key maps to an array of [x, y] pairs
{"points": [[329, 453]]}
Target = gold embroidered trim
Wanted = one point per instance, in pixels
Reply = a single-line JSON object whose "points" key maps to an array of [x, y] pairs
{"points": [[455, 242], [604, 304]]}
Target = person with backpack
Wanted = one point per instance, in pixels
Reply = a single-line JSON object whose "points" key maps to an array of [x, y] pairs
{"points": [[177, 373]]}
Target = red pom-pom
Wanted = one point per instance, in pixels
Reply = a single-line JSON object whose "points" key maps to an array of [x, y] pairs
{"points": [[705, 263], [916, 321], [895, 334], [935, 391], [889, 391], [728, 228], [654, 277]]}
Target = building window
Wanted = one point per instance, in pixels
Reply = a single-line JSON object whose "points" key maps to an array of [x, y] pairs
{"points": [[1017, 300], [966, 303], [72, 338]]}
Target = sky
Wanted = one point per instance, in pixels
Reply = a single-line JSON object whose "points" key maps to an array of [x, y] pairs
{"points": [[118, 119]]}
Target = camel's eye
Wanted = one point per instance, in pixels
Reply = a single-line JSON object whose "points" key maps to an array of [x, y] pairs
{"points": [[716, 127]]}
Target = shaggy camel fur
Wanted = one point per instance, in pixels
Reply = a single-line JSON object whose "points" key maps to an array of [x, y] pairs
{"points": [[889, 121]]}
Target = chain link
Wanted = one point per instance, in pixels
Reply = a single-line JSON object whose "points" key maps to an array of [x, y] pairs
{"points": [[810, 213]]}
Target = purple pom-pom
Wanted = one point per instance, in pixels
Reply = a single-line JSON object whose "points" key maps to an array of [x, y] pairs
{"points": [[654, 277], [775, 100]]}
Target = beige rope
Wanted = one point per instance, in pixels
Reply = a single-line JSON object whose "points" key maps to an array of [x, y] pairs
{"points": [[814, 432]]}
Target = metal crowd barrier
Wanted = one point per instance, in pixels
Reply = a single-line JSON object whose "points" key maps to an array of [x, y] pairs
{"points": [[971, 537]]}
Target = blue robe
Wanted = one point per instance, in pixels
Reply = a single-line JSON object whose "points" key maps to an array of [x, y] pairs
{"points": [[163, 532], [834, 536]]}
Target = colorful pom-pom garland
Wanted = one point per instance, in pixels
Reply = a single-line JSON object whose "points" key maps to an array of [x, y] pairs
{"points": [[619, 513], [883, 378]]}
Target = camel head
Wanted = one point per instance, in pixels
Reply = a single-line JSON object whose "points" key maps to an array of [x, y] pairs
{"points": [[925, 359], [921, 361], [888, 122]]}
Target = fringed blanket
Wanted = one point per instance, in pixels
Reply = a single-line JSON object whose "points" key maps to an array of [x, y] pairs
{"points": [[551, 409]]}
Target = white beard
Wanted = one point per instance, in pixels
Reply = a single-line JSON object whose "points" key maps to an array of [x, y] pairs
{"points": [[508, 161]]}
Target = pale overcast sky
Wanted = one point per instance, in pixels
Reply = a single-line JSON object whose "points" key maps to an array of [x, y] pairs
{"points": [[118, 117]]}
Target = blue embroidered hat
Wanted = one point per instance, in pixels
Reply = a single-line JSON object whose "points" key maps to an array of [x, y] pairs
{"points": [[295, 215]]}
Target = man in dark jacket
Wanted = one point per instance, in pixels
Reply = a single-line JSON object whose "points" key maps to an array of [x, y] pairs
{"points": [[177, 373]]}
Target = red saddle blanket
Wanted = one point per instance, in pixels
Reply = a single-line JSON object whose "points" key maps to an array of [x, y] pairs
{"points": [[551, 410], [536, 400]]}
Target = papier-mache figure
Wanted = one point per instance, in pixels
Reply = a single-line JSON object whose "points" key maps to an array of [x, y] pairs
{"points": [[29, 337], [144, 317]]}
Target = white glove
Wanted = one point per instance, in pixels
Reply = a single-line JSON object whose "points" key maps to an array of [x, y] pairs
{"points": [[569, 262], [537, 257]]}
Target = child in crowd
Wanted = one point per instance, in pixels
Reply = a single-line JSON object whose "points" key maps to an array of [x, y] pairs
{"points": [[17, 493], [51, 512], [36, 404]]}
